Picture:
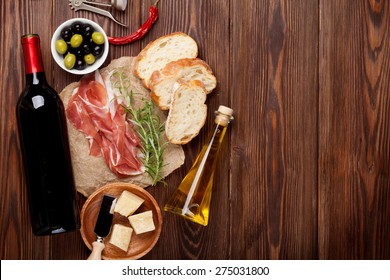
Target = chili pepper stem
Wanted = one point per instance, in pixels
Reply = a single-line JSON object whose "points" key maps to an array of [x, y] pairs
{"points": [[156, 3]]}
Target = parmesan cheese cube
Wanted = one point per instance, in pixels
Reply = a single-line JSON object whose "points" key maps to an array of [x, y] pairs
{"points": [[142, 222], [128, 203], [121, 236]]}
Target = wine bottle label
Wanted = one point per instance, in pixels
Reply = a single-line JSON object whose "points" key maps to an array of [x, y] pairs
{"points": [[32, 54], [38, 101]]}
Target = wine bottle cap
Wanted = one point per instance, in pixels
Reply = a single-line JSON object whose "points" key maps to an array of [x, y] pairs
{"points": [[225, 110], [32, 53], [30, 38]]}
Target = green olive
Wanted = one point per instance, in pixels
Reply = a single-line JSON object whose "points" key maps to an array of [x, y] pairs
{"points": [[76, 40], [89, 59], [97, 38], [69, 60], [61, 46]]}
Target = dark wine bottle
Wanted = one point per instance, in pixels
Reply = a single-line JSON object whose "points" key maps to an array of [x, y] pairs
{"points": [[45, 149]]}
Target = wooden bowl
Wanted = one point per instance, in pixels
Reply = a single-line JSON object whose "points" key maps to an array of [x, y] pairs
{"points": [[140, 244]]}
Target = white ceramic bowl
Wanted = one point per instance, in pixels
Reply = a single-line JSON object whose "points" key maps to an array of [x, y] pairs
{"points": [[59, 57]]}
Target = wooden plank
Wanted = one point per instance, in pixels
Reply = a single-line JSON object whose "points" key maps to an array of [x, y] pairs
{"points": [[180, 238], [274, 140], [354, 120], [303, 172], [17, 240], [61, 13]]}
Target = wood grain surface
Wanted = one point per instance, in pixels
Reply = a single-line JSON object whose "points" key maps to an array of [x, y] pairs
{"points": [[304, 167]]}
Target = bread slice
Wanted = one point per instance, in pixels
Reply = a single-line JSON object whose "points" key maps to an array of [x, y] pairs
{"points": [[187, 113], [186, 69], [161, 51]]}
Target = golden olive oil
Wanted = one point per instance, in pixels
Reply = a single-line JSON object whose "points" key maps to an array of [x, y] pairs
{"points": [[192, 198]]}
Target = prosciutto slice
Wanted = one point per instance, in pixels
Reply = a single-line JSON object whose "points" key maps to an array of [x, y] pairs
{"points": [[95, 112]]}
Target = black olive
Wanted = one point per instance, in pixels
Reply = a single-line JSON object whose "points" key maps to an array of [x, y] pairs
{"points": [[80, 64], [71, 50], [66, 34], [77, 27], [79, 52], [86, 48], [87, 31], [97, 50]]}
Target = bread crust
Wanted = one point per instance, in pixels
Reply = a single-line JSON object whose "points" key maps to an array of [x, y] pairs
{"points": [[144, 52], [171, 71], [173, 67]]}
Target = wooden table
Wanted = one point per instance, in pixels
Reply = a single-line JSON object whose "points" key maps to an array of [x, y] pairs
{"points": [[304, 171]]}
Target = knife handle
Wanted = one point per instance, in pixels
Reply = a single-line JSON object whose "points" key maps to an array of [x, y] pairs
{"points": [[97, 248]]}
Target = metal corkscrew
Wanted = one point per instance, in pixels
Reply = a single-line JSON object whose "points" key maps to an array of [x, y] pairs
{"points": [[87, 5]]}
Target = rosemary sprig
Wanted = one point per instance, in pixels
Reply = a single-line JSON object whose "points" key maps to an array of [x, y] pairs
{"points": [[148, 126]]}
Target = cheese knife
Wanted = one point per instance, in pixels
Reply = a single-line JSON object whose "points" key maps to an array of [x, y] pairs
{"points": [[102, 226]]}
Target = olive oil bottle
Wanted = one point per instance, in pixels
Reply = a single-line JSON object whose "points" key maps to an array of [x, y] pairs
{"points": [[192, 198]]}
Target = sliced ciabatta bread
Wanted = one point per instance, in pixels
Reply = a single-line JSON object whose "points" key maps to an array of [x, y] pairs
{"points": [[187, 113], [187, 69], [161, 51]]}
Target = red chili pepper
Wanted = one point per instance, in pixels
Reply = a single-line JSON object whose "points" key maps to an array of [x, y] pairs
{"points": [[145, 27]]}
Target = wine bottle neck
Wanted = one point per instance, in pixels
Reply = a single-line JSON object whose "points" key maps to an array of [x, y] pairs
{"points": [[32, 55], [35, 78]]}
